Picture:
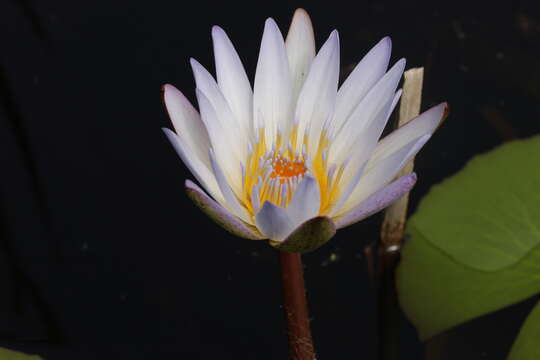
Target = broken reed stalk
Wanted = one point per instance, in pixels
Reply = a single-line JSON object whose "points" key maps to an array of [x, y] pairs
{"points": [[393, 231], [295, 306]]}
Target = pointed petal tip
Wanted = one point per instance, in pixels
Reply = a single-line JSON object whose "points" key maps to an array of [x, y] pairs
{"points": [[171, 135], [446, 108], [162, 91], [301, 19], [441, 110], [170, 95], [408, 181], [188, 183], [168, 88], [270, 22], [219, 34], [271, 32], [300, 12], [386, 42], [398, 67], [329, 48], [193, 62]]}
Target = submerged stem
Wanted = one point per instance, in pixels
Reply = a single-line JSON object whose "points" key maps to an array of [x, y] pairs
{"points": [[296, 308]]}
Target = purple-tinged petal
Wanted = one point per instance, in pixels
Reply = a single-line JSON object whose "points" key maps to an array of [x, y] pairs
{"points": [[378, 177], [378, 201], [199, 169], [305, 202], [308, 237], [364, 77], [274, 222], [425, 123], [220, 215], [362, 118]]}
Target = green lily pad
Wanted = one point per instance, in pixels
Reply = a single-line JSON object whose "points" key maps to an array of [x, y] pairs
{"points": [[488, 215], [6, 354], [436, 292], [526, 346]]}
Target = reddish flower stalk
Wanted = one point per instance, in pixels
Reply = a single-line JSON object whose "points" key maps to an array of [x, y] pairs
{"points": [[296, 308]]}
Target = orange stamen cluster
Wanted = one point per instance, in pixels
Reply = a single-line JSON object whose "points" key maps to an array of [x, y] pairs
{"points": [[284, 168], [273, 175]]}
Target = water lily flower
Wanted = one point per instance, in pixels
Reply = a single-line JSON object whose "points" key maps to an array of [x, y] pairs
{"points": [[296, 157]]}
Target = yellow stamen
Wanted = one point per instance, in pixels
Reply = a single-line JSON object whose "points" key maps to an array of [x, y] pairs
{"points": [[278, 172]]}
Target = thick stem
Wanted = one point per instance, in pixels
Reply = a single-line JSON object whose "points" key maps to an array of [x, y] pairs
{"points": [[296, 309]]}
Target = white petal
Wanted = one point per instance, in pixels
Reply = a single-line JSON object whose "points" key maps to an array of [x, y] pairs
{"points": [[231, 202], [274, 222], [232, 79], [423, 124], [364, 76], [272, 96], [349, 187], [365, 142], [363, 116], [187, 122], [206, 82], [201, 171], [317, 98], [306, 201], [397, 96], [222, 142], [300, 44], [359, 155], [378, 200], [382, 173], [229, 124]]}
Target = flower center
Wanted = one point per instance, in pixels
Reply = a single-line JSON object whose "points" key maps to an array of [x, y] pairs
{"points": [[273, 173], [284, 168]]}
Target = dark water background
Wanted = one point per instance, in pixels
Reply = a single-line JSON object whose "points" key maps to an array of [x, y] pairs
{"points": [[102, 256]]}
